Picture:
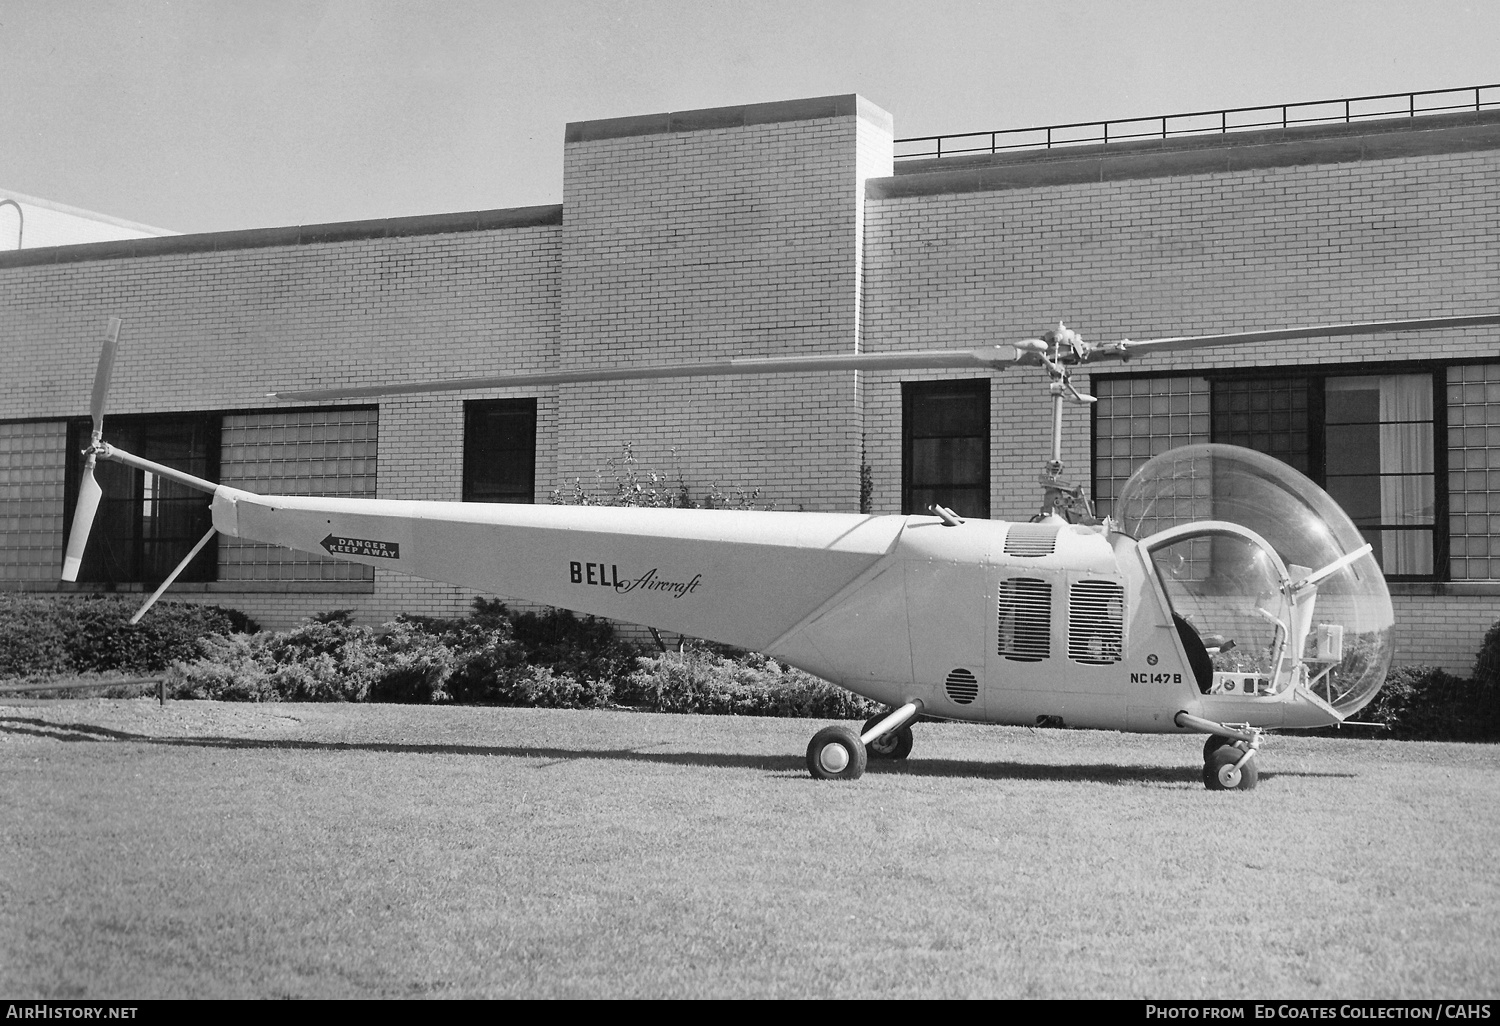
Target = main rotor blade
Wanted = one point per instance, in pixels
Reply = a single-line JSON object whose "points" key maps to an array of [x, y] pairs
{"points": [[984, 358], [102, 375], [1127, 348], [89, 494]]}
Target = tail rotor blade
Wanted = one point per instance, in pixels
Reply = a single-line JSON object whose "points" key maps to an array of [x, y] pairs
{"points": [[89, 494], [102, 375]]}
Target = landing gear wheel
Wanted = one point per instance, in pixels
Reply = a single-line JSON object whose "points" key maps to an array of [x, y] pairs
{"points": [[1215, 742], [895, 745], [1219, 773], [835, 753]]}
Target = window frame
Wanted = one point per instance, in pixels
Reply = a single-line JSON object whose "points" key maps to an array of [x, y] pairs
{"points": [[1315, 375], [205, 566], [913, 390], [473, 410]]}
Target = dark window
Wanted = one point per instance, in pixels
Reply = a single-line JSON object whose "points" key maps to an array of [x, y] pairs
{"points": [[146, 524], [945, 457], [1269, 416], [500, 450]]}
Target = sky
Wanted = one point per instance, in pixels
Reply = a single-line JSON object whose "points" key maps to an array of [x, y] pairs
{"points": [[212, 115]]}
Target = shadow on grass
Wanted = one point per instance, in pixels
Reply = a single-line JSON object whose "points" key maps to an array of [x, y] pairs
{"points": [[1102, 773]]}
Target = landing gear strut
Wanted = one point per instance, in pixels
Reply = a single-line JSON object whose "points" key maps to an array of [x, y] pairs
{"points": [[1228, 768], [894, 744], [838, 753], [1229, 754]]}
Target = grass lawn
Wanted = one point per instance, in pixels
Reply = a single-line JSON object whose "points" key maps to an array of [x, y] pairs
{"points": [[215, 850]]}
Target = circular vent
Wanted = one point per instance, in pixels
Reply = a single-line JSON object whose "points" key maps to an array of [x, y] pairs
{"points": [[962, 686]]}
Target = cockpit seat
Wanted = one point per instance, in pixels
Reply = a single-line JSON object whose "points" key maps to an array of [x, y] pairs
{"points": [[1199, 660]]}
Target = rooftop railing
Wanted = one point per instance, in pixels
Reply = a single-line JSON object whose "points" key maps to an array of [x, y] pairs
{"points": [[1208, 122]]}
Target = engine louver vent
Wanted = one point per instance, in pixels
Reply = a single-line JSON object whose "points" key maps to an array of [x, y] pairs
{"points": [[1025, 609], [1096, 622], [962, 686], [1030, 539]]}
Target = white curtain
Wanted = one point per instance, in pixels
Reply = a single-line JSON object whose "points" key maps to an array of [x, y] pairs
{"points": [[1406, 466]]}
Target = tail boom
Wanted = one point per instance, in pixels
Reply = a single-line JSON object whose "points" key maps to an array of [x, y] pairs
{"points": [[739, 577]]}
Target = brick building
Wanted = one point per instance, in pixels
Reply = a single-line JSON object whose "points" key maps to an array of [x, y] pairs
{"points": [[785, 228]]}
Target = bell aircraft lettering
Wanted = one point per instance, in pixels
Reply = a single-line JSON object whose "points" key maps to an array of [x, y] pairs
{"points": [[932, 616], [609, 577], [594, 573], [649, 581]]}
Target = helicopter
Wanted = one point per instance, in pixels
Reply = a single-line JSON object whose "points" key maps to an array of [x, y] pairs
{"points": [[1226, 595]]}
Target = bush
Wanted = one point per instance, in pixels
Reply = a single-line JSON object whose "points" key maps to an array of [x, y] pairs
{"points": [[540, 687], [549, 659], [316, 661], [585, 648], [702, 681], [1426, 703], [497, 656], [494, 657], [1487, 662], [89, 634], [228, 669], [631, 484], [414, 668]]}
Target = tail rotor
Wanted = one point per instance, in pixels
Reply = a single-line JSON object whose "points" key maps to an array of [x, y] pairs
{"points": [[89, 492]]}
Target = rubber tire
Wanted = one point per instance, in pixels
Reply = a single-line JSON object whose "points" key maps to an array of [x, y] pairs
{"points": [[1215, 741], [1221, 759], [849, 741], [896, 745]]}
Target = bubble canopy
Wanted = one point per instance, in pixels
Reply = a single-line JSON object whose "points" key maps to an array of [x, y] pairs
{"points": [[1333, 588]]}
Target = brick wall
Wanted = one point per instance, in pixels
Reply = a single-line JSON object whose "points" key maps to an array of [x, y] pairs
{"points": [[953, 262], [222, 319], [736, 234]]}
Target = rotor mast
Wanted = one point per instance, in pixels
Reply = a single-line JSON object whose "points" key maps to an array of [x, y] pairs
{"points": [[1061, 496]]}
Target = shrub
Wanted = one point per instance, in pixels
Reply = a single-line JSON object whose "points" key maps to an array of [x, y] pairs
{"points": [[481, 653], [235, 668], [1487, 662], [1426, 703], [554, 660], [325, 661], [83, 634], [586, 647], [31, 637], [631, 484], [550, 659], [702, 681], [316, 661], [415, 666], [540, 687], [495, 653]]}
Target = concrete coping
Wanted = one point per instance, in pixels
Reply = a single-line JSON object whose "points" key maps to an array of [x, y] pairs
{"points": [[297, 235], [813, 108], [1201, 155]]}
